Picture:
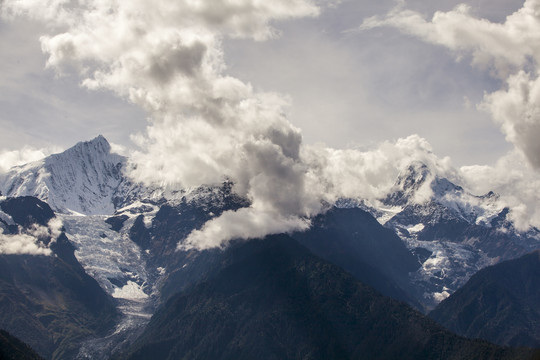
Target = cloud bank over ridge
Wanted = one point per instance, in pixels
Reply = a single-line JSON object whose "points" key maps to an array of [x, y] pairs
{"points": [[511, 52], [204, 125]]}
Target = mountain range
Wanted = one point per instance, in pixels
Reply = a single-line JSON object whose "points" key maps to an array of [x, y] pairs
{"points": [[453, 233], [112, 258], [294, 305]]}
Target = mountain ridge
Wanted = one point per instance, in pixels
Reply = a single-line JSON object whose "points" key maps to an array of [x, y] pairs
{"points": [[435, 234], [500, 303], [454, 233], [273, 299]]}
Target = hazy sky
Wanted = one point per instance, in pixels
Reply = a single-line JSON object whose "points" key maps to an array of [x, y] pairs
{"points": [[348, 88]]}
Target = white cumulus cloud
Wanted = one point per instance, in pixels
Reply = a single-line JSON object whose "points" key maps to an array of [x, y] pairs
{"points": [[10, 158], [167, 58], [511, 50], [204, 125], [30, 241]]}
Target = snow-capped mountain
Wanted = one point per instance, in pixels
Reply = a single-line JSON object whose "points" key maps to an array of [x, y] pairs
{"points": [[82, 179], [110, 220], [125, 234], [453, 233], [419, 185]]}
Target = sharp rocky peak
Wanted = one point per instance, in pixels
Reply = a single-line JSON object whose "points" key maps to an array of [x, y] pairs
{"points": [[414, 176], [418, 176], [87, 161], [97, 145], [407, 184], [82, 179]]}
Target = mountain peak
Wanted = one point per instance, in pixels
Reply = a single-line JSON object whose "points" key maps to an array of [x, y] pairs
{"points": [[408, 182], [98, 145], [82, 179], [413, 176], [98, 141]]}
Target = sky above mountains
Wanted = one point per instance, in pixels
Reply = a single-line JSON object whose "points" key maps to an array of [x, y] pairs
{"points": [[295, 98], [347, 87]]}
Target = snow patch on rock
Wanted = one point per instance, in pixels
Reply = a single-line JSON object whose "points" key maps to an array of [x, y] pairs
{"points": [[130, 291]]}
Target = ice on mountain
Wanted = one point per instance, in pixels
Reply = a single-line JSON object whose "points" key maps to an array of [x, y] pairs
{"points": [[448, 267], [385, 213], [136, 208], [416, 228], [105, 254], [425, 205], [130, 291], [6, 218]]}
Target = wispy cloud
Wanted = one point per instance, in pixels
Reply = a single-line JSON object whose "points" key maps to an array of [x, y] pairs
{"points": [[10, 158]]}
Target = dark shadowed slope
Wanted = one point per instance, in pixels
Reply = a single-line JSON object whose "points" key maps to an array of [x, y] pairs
{"points": [[12, 348], [349, 238], [500, 303], [353, 240], [273, 299], [49, 302]]}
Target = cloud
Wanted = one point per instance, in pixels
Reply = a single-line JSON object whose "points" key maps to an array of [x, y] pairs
{"points": [[204, 125], [168, 58], [30, 241], [515, 180], [243, 224], [511, 50], [21, 244], [27, 154], [516, 109]]}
